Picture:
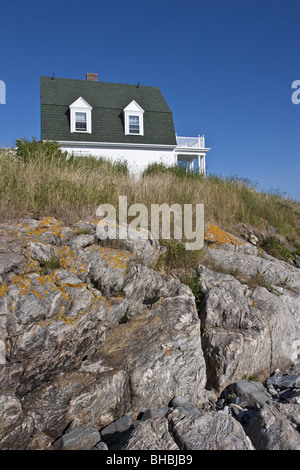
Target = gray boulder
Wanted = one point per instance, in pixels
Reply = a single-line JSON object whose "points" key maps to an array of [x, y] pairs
{"points": [[161, 352], [140, 243], [252, 394], [247, 261], [80, 438], [142, 286], [82, 241], [152, 434], [10, 262], [185, 431], [40, 252], [15, 427], [207, 431], [104, 269], [275, 427]]}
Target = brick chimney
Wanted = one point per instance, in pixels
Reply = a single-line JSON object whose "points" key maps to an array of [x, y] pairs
{"points": [[92, 77]]}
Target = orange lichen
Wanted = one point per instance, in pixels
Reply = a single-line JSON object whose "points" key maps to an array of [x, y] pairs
{"points": [[3, 290], [30, 264], [215, 236], [23, 283], [37, 294], [69, 260], [117, 259], [48, 224], [45, 279]]}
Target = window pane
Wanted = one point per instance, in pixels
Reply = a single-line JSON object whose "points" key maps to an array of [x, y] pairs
{"points": [[80, 126], [81, 117], [134, 124], [80, 122]]}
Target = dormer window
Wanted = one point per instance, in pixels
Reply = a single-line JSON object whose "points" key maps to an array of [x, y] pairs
{"points": [[80, 116], [134, 119]]}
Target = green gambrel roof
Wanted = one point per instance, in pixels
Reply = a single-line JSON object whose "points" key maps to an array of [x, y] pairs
{"points": [[108, 101]]}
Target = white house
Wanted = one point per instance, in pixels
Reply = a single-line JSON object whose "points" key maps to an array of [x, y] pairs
{"points": [[117, 121]]}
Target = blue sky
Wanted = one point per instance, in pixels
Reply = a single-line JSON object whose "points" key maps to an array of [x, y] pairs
{"points": [[225, 67]]}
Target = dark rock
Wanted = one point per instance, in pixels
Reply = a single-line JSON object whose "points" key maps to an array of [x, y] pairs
{"points": [[287, 381], [252, 393], [154, 413], [80, 438]]}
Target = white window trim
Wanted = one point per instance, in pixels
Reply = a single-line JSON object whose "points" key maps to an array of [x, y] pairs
{"points": [[133, 109], [81, 106]]}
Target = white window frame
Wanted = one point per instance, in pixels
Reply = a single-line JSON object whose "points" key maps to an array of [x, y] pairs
{"points": [[80, 106], [134, 109]]}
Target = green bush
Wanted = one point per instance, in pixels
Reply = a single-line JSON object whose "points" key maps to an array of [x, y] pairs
{"points": [[275, 248], [39, 150], [159, 168], [176, 256], [195, 286]]}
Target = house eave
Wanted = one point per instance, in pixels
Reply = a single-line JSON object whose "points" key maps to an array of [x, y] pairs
{"points": [[67, 143]]}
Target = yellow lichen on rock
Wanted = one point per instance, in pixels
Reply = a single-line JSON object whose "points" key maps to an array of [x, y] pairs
{"points": [[215, 236], [68, 260], [117, 259], [45, 225], [23, 283], [30, 265], [3, 290]]}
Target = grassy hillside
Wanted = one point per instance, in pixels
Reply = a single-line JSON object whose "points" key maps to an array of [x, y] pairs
{"points": [[38, 180]]}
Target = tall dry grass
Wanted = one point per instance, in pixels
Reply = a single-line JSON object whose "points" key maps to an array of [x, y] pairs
{"points": [[41, 184]]}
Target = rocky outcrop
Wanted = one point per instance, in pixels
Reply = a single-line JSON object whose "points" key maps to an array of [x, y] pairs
{"points": [[89, 338], [249, 415], [95, 344], [250, 318]]}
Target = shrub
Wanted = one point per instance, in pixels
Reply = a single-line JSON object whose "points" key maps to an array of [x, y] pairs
{"points": [[195, 286], [37, 150], [275, 248], [176, 256], [160, 168]]}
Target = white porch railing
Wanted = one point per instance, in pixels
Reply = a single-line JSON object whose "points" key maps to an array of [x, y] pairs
{"points": [[188, 142]]}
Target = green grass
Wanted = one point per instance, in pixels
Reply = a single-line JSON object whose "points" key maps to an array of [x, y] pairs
{"points": [[275, 248], [50, 265]]}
